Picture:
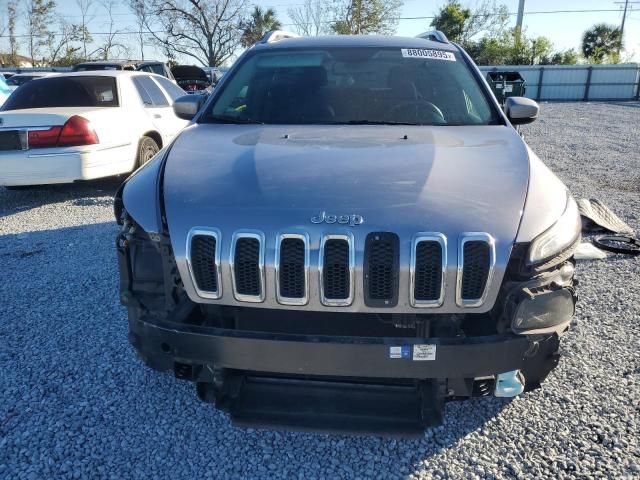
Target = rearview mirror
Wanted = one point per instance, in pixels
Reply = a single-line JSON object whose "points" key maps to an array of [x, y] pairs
{"points": [[521, 110], [187, 106]]}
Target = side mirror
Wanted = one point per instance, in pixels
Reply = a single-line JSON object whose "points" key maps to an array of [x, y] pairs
{"points": [[187, 106], [521, 110]]}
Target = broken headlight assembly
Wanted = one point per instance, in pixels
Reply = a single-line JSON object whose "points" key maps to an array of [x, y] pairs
{"points": [[551, 245]]}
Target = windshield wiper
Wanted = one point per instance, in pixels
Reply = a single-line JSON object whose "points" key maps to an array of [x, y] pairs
{"points": [[234, 120]]}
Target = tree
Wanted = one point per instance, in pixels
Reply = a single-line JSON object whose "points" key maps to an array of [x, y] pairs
{"points": [[87, 14], [111, 44], [205, 30], [311, 18], [138, 7], [461, 25], [602, 42], [39, 17], [362, 17], [257, 25], [59, 44], [12, 24], [566, 57]]}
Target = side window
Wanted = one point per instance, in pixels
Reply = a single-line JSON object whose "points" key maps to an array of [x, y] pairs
{"points": [[144, 96], [171, 88], [154, 96]]}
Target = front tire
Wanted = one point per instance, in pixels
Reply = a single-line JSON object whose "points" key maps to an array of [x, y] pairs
{"points": [[147, 149]]}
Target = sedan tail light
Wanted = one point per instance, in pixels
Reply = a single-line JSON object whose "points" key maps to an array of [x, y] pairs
{"points": [[76, 131]]}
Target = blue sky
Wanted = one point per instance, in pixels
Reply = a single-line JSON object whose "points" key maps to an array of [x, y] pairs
{"points": [[564, 29]]}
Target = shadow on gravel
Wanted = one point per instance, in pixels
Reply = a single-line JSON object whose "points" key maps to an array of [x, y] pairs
{"points": [[90, 193]]}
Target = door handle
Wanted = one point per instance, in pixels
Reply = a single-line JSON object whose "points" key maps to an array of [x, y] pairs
{"points": [[157, 115]]}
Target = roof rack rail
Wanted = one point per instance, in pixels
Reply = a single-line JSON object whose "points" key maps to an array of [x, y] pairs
{"points": [[277, 35], [435, 35]]}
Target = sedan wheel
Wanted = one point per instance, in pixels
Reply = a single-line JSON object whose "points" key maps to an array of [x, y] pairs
{"points": [[147, 149]]}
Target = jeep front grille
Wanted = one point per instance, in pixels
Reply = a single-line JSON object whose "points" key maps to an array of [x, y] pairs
{"points": [[292, 267], [337, 263], [247, 266], [204, 262], [476, 259], [381, 269], [428, 269], [300, 270]]}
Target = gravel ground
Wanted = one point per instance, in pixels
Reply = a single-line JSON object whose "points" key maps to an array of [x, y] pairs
{"points": [[76, 403]]}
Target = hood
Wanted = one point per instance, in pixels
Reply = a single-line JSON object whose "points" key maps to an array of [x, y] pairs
{"points": [[189, 72], [445, 179]]}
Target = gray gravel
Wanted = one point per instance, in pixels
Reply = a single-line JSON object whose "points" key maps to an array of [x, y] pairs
{"points": [[76, 403]]}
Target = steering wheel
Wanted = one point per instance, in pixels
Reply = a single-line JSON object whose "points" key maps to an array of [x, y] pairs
{"points": [[416, 110]]}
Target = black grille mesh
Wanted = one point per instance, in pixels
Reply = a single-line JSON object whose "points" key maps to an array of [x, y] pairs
{"points": [[476, 269], [335, 275], [428, 271], [381, 274], [203, 262], [291, 273], [246, 266]]}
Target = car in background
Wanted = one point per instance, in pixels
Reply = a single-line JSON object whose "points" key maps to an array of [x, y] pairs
{"points": [[192, 79], [19, 79], [215, 74], [5, 91], [148, 66], [85, 125]]}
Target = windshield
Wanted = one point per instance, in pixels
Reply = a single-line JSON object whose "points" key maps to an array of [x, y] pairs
{"points": [[54, 92], [353, 86]]}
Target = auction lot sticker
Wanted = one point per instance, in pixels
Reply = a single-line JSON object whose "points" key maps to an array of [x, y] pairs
{"points": [[424, 352], [423, 53]]}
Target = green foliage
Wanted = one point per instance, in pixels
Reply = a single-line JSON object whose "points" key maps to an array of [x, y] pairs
{"points": [[602, 43], [483, 33], [362, 17], [452, 20], [260, 22], [566, 57]]}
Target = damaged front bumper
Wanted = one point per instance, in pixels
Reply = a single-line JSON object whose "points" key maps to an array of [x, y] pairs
{"points": [[341, 384]]}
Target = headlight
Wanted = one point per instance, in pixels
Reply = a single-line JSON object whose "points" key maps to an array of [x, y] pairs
{"points": [[560, 236]]}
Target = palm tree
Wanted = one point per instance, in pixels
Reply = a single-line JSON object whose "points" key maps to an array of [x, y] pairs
{"points": [[260, 22], [602, 42]]}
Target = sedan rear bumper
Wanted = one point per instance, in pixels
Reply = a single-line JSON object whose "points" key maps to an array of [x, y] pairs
{"points": [[49, 166]]}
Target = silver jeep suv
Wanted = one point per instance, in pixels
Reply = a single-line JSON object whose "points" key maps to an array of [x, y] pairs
{"points": [[349, 234]]}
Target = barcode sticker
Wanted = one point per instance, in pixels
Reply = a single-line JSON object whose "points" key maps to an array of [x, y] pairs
{"points": [[424, 352], [423, 53]]}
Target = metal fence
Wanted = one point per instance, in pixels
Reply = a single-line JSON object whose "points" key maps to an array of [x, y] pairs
{"points": [[577, 82]]}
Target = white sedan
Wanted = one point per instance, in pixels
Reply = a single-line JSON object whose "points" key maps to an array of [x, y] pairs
{"points": [[85, 125]]}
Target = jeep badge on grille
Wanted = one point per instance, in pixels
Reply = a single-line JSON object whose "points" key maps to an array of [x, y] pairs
{"points": [[351, 220]]}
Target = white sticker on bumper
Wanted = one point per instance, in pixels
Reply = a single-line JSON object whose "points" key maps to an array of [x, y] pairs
{"points": [[424, 352], [424, 53]]}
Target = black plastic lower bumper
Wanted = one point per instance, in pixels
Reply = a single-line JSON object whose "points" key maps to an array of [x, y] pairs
{"points": [[364, 357]]}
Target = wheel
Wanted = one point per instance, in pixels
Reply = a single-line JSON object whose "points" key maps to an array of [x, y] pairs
{"points": [[147, 149]]}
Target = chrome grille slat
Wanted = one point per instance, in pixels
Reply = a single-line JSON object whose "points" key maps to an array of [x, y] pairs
{"points": [[292, 269], [336, 266], [476, 262], [204, 267], [246, 263], [428, 270]]}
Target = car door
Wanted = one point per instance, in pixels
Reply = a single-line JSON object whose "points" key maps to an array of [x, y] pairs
{"points": [[159, 107]]}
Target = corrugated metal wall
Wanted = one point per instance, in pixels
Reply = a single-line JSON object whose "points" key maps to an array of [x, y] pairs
{"points": [[577, 82]]}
